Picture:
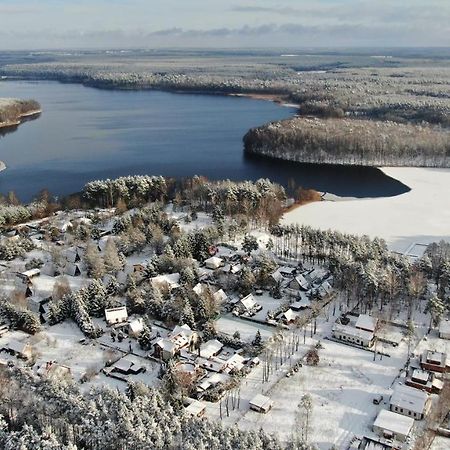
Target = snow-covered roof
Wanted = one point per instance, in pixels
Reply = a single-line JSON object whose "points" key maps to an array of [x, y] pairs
{"points": [[196, 408], [213, 262], [200, 288], [210, 348], [171, 279], [235, 362], [287, 270], [352, 331], [395, 423], [16, 346], [409, 398], [421, 375], [366, 322], [277, 276], [116, 315], [302, 303], [290, 315], [31, 273], [261, 402], [220, 296], [248, 302]]}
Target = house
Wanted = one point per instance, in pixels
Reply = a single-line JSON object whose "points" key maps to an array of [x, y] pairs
{"points": [[235, 363], [289, 316], [390, 425], [72, 269], [420, 379], [135, 327], [247, 304], [126, 367], [260, 403], [171, 281], [220, 296], [74, 254], [410, 402], [433, 361], [303, 303], [366, 323], [213, 263], [287, 271], [276, 277], [19, 349], [299, 283], [352, 335], [39, 306], [53, 370], [182, 337], [195, 409], [114, 316], [444, 329], [210, 348], [29, 274]]}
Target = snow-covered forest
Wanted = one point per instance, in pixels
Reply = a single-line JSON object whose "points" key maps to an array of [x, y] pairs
{"points": [[351, 141]]}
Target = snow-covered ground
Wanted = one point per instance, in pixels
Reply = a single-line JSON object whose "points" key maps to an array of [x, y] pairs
{"points": [[419, 216]]}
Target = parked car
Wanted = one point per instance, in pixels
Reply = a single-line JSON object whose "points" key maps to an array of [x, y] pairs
{"points": [[377, 400]]}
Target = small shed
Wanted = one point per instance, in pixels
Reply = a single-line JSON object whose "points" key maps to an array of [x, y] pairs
{"points": [[391, 425], [115, 316], [260, 403]]}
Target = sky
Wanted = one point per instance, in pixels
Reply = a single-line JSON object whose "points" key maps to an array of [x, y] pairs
{"points": [[49, 24]]}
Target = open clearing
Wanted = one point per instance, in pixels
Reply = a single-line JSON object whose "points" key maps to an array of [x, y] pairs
{"points": [[420, 216]]}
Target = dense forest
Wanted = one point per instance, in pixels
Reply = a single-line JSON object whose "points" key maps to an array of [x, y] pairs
{"points": [[11, 110], [351, 141], [37, 414]]}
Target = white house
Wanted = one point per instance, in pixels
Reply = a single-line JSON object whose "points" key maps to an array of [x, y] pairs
{"points": [[246, 304], [391, 425], [444, 329], [115, 316], [352, 335], [196, 409], [410, 402], [261, 403]]}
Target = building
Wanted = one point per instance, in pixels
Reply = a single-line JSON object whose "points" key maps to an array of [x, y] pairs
{"points": [[247, 304], [213, 263], [115, 316], [433, 361], [21, 350], [444, 329], [352, 335], [299, 283], [260, 403], [366, 323], [196, 409], [390, 425], [420, 379], [182, 337], [410, 402], [289, 316], [28, 275], [210, 348]]}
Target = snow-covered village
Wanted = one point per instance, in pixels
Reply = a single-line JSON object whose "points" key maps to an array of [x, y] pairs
{"points": [[195, 296]]}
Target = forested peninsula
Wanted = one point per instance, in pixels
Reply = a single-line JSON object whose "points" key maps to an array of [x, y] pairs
{"points": [[13, 110], [351, 141]]}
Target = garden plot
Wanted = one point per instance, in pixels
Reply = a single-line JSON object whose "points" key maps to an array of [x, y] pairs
{"points": [[342, 388], [61, 343]]}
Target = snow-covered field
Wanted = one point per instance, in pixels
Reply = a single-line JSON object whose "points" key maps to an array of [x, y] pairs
{"points": [[419, 216]]}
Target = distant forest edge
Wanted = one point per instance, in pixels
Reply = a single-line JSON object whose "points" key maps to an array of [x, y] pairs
{"points": [[13, 110], [351, 141], [382, 112]]}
